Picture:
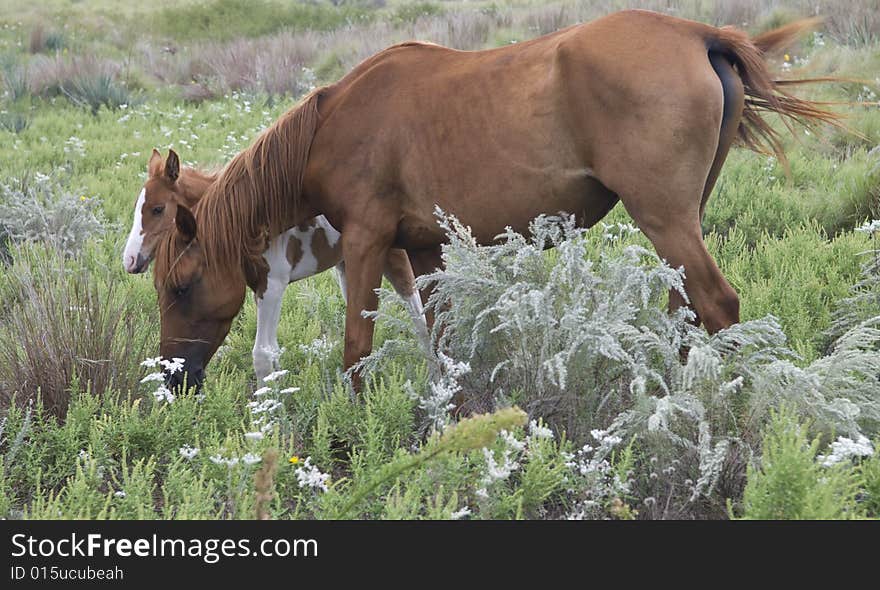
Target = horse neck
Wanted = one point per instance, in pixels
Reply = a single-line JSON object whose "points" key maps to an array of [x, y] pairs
{"points": [[258, 195]]}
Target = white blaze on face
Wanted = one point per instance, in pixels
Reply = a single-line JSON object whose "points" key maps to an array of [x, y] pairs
{"points": [[135, 236]]}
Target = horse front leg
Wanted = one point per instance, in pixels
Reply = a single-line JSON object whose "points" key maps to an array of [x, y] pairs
{"points": [[364, 251], [266, 349]]}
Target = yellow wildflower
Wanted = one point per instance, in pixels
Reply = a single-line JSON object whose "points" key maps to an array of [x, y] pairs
{"points": [[294, 460]]}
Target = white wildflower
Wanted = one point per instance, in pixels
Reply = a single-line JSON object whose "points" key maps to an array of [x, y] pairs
{"points": [[459, 514], [845, 448], [539, 431], [310, 476], [289, 390], [869, 227], [174, 365], [221, 460], [512, 442], [267, 405], [188, 452], [319, 348], [162, 393], [275, 375], [494, 470], [258, 435], [153, 377], [250, 459], [262, 391]]}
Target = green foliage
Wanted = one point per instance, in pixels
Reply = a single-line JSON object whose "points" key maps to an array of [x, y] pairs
{"points": [[14, 122], [622, 425], [94, 90], [227, 19], [411, 12], [869, 474], [14, 77], [790, 484]]}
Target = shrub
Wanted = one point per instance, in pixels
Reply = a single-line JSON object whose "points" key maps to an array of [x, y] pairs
{"points": [[791, 484], [863, 304], [14, 122], [41, 41], [86, 81], [62, 322], [15, 78], [39, 209], [579, 337]]}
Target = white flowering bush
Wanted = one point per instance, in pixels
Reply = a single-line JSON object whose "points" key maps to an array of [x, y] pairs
{"points": [[580, 336], [41, 209]]}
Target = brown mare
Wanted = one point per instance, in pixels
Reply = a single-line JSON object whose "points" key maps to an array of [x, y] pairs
{"points": [[300, 252], [636, 106]]}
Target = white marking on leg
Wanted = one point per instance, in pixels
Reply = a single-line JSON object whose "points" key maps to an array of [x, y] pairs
{"points": [[266, 350], [340, 276], [135, 236], [417, 311]]}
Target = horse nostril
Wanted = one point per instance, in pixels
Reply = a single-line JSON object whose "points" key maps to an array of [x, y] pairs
{"points": [[140, 264]]}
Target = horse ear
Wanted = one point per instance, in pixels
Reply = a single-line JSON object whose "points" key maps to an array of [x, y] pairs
{"points": [[172, 166], [186, 223], [155, 166]]}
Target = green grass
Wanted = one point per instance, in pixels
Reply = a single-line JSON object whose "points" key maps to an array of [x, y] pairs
{"points": [[228, 19], [785, 244]]}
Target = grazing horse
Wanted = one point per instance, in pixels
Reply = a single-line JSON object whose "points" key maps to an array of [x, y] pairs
{"points": [[298, 253], [636, 106]]}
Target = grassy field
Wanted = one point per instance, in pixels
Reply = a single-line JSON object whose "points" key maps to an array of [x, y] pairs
{"points": [[774, 419]]}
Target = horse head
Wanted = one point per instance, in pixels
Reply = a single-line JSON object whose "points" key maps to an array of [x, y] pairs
{"points": [[167, 185], [197, 301]]}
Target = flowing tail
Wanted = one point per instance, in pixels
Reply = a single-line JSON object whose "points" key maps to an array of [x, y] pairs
{"points": [[762, 92]]}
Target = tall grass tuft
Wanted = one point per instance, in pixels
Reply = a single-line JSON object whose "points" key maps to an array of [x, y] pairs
{"points": [[14, 122], [62, 322], [86, 81], [15, 77]]}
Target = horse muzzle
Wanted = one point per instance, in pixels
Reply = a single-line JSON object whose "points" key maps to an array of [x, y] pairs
{"points": [[136, 264], [187, 378]]}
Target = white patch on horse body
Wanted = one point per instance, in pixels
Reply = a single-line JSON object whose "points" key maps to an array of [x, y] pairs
{"points": [[307, 265], [330, 231], [135, 236]]}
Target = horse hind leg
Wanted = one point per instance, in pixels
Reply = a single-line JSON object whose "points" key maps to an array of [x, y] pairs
{"points": [[399, 272], [668, 212], [733, 102], [714, 300]]}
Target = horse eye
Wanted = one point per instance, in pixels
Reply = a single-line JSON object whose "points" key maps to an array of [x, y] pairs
{"points": [[158, 210], [180, 291]]}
